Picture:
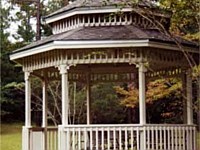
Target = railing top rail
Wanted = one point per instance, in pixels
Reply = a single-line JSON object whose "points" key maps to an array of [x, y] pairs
{"points": [[126, 125]]}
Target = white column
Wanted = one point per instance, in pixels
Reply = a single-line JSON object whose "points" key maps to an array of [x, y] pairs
{"points": [[44, 114], [26, 132], [44, 106], [142, 103], [65, 95], [189, 97], [27, 99], [88, 99]]}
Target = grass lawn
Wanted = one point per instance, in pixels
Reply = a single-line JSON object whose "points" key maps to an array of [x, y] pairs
{"points": [[198, 141], [11, 137]]}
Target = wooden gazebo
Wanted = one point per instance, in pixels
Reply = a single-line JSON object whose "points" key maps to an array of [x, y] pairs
{"points": [[93, 43]]}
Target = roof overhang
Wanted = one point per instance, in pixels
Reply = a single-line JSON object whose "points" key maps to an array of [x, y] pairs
{"points": [[80, 44]]}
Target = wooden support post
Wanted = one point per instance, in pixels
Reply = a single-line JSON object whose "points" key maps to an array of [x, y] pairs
{"points": [[142, 104], [26, 129], [44, 114], [65, 93], [88, 99], [142, 93], [189, 98], [27, 99], [63, 140]]}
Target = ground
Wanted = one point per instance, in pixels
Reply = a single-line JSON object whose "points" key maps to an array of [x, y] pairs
{"points": [[11, 136]]}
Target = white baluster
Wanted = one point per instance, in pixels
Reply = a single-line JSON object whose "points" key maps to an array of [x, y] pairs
{"points": [[132, 138], [85, 139], [172, 137], [91, 139], [138, 138], [79, 138], [120, 138], [97, 139], [194, 137], [114, 138], [108, 138], [191, 140], [161, 138], [126, 139], [183, 134], [165, 143], [102, 138], [148, 138], [156, 137]]}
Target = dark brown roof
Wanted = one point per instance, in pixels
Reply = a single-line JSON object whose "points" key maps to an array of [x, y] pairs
{"points": [[128, 32], [99, 3]]}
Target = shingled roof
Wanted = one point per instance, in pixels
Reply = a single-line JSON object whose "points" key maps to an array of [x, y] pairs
{"points": [[128, 32], [99, 3]]}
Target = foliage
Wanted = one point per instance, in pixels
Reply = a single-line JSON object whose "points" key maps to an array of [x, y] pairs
{"points": [[162, 97], [27, 11], [105, 105], [196, 72], [158, 89], [10, 99], [130, 96], [163, 88], [185, 18]]}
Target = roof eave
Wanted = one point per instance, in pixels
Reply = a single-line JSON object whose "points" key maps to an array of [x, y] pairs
{"points": [[59, 44]]}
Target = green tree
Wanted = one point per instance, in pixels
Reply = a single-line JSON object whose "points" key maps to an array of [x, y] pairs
{"points": [[105, 106], [10, 99], [27, 11], [185, 17]]}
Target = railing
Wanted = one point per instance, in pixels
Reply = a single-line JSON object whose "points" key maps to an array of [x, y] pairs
{"points": [[116, 137], [130, 137], [102, 137], [37, 138], [170, 137]]}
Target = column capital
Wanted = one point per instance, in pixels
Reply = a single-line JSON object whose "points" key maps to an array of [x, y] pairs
{"points": [[141, 67], [27, 75], [63, 68]]}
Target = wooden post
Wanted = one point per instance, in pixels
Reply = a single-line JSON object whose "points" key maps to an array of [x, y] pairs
{"points": [[142, 97], [44, 114], [65, 94], [27, 99], [189, 98], [63, 138], [142, 104], [88, 99], [26, 129]]}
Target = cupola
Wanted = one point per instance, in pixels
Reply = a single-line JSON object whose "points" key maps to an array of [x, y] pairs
{"points": [[101, 13]]}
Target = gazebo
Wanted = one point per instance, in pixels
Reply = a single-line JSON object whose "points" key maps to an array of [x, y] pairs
{"points": [[96, 42]]}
